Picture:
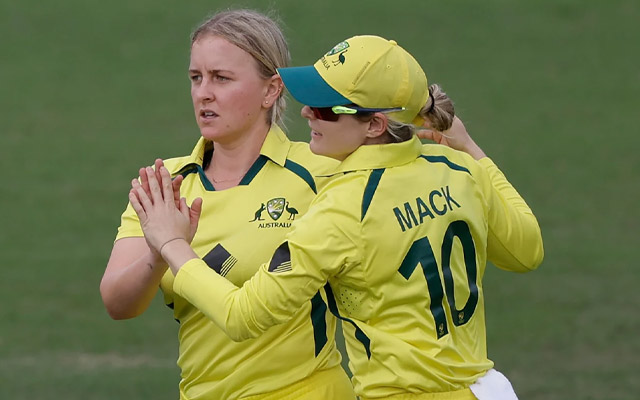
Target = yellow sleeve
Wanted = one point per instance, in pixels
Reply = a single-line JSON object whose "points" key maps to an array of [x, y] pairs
{"points": [[514, 241], [235, 310], [315, 250], [129, 224]]}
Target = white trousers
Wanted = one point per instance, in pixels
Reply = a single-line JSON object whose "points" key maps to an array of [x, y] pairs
{"points": [[493, 386]]}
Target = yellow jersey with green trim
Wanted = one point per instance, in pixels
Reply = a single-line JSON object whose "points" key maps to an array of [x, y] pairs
{"points": [[402, 237], [239, 229]]}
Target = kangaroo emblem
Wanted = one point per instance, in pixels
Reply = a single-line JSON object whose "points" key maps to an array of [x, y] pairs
{"points": [[258, 215]]}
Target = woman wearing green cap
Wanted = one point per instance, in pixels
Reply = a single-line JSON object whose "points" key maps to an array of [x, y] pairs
{"points": [[398, 240]]}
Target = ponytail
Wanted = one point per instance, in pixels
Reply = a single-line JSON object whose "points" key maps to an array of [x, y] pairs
{"points": [[439, 109]]}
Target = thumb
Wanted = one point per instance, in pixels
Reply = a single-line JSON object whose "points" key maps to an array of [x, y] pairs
{"points": [[175, 185], [194, 211]]}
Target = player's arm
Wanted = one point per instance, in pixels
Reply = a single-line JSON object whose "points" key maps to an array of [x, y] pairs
{"points": [[131, 278], [133, 273], [515, 241], [315, 251], [269, 298]]}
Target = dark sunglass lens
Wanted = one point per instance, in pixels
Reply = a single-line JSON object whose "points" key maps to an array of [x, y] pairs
{"points": [[316, 112], [324, 113]]}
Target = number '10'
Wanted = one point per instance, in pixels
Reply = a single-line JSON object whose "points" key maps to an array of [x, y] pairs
{"points": [[422, 253]]}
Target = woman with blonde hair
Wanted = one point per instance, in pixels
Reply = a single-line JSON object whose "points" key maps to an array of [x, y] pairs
{"points": [[398, 240], [250, 182]]}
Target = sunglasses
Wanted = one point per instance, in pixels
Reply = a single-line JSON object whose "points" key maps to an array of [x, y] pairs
{"points": [[333, 113]]}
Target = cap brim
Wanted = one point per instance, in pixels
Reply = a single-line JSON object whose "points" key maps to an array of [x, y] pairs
{"points": [[307, 86]]}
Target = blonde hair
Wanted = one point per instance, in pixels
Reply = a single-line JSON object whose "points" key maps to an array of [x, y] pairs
{"points": [[258, 35], [439, 110]]}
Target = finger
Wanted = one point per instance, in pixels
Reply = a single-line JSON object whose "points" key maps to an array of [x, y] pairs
{"points": [[196, 206], [137, 207], [184, 208], [154, 186], [157, 164], [194, 215], [144, 179], [425, 134], [195, 211], [141, 195], [165, 183], [437, 137], [176, 183]]}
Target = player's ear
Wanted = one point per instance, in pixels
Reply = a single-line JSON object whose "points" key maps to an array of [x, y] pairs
{"points": [[377, 125], [272, 89]]}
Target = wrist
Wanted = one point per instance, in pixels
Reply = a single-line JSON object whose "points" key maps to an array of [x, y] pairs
{"points": [[474, 151], [167, 242], [155, 256], [177, 252]]}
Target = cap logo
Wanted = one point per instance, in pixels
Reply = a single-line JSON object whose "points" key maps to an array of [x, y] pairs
{"points": [[338, 48]]}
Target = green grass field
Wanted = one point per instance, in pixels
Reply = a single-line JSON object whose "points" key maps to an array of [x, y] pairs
{"points": [[92, 90]]}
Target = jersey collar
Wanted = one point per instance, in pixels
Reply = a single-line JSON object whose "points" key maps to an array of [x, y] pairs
{"points": [[276, 147], [381, 156]]}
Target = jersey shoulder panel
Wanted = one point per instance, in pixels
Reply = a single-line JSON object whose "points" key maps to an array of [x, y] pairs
{"points": [[337, 202], [343, 188], [317, 165], [456, 160], [441, 153], [175, 164]]}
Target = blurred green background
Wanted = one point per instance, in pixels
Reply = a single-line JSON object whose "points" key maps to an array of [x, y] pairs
{"points": [[92, 90]]}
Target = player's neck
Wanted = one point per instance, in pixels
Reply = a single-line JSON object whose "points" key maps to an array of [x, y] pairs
{"points": [[230, 161]]}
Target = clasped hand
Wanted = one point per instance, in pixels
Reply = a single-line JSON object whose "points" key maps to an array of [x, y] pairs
{"points": [[164, 215]]}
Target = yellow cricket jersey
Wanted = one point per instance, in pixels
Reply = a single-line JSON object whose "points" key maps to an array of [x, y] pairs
{"points": [[402, 238], [239, 229]]}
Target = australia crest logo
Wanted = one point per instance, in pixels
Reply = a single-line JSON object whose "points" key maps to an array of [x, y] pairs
{"points": [[338, 48], [275, 207]]}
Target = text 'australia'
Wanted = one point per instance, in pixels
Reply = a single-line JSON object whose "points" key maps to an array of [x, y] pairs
{"points": [[274, 225], [437, 203]]}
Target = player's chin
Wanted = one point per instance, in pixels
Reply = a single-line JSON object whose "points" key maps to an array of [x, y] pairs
{"points": [[212, 133], [316, 145]]}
